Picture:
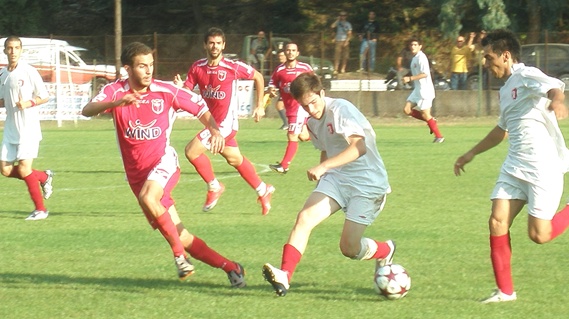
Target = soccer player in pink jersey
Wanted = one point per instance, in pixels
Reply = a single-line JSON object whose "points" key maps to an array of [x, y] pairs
{"points": [[216, 77], [21, 90], [144, 110], [296, 115]]}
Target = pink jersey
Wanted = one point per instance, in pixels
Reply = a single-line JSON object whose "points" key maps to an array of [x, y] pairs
{"points": [[281, 79], [143, 131], [217, 86]]}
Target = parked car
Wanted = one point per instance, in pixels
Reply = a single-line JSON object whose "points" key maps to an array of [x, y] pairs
{"points": [[551, 58], [324, 68], [57, 60]]}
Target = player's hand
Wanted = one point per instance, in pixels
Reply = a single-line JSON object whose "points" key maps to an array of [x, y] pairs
{"points": [[560, 109], [178, 80], [258, 113], [217, 143], [23, 104], [461, 162], [129, 99], [315, 173]]}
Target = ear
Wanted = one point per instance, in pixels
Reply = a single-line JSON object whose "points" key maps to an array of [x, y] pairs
{"points": [[506, 56]]}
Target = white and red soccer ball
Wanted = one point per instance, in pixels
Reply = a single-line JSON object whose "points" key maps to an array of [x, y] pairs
{"points": [[392, 281]]}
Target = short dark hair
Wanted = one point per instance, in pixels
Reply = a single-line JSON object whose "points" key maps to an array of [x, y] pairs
{"points": [[414, 39], [503, 40], [12, 38], [213, 32], [304, 83], [133, 49]]}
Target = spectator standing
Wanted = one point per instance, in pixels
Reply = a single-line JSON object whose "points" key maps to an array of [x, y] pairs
{"points": [[343, 30], [420, 101], [368, 35], [280, 104], [260, 50], [21, 92], [460, 58], [403, 64]]}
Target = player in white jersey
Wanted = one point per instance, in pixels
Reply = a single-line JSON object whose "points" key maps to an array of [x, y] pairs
{"points": [[532, 174], [351, 176], [143, 112], [21, 92], [420, 101], [281, 78]]}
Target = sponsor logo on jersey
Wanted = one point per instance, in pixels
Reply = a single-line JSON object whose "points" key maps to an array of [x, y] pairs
{"points": [[211, 92], [139, 131]]}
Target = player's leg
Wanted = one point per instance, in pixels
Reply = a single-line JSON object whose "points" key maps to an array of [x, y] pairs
{"points": [[296, 128], [233, 156], [199, 250], [543, 223], [316, 209], [425, 107], [195, 153], [282, 113]]}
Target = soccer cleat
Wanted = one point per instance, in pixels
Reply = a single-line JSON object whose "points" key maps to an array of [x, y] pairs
{"points": [[284, 127], [185, 267], [237, 277], [265, 200], [388, 260], [38, 215], [46, 187], [439, 140], [278, 168], [277, 278], [499, 296], [212, 197]]}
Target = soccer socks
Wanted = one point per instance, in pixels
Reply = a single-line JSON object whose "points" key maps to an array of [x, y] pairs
{"points": [[201, 251], [432, 123], [383, 250], [34, 189], [560, 222], [282, 114], [291, 149], [291, 258], [417, 114], [168, 230], [203, 167], [501, 255], [247, 171], [40, 175]]}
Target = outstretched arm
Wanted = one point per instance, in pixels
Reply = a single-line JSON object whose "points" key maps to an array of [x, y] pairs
{"points": [[495, 137]]}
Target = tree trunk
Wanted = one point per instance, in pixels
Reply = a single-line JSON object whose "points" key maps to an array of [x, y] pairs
{"points": [[534, 21]]}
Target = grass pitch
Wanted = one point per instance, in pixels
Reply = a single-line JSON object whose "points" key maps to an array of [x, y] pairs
{"points": [[96, 257]]}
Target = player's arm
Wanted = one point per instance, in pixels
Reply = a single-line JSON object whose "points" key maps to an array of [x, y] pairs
{"points": [[93, 108], [259, 111], [557, 105], [24, 104], [216, 140], [495, 137], [356, 148]]}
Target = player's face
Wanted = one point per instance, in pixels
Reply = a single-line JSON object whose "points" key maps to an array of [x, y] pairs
{"points": [[13, 50], [291, 52], [140, 73], [497, 64], [415, 47], [214, 47], [313, 104]]}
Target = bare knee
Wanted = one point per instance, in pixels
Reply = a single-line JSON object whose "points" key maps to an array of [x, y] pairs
{"points": [[498, 226], [539, 237]]}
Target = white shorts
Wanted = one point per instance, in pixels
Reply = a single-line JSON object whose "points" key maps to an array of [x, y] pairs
{"points": [[542, 200], [359, 208], [15, 152], [421, 104]]}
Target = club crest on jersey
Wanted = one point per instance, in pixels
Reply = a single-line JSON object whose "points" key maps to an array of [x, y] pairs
{"points": [[157, 106], [139, 131], [330, 128], [515, 93], [221, 75]]}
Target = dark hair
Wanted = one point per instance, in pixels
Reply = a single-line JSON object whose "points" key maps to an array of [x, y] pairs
{"points": [[414, 39], [133, 49], [503, 40], [12, 38], [213, 32], [304, 83]]}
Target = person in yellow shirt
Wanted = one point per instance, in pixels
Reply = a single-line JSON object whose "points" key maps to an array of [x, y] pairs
{"points": [[460, 55]]}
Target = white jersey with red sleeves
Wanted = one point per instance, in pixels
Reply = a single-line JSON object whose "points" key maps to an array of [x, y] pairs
{"points": [[23, 83], [143, 130], [218, 86], [281, 79]]}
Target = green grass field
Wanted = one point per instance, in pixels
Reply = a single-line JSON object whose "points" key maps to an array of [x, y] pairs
{"points": [[96, 257]]}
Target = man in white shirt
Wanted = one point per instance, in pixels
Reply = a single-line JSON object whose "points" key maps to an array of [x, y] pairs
{"points": [[533, 171], [21, 92]]}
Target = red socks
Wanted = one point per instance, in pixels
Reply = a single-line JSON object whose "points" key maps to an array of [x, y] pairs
{"points": [[201, 251], [291, 258], [168, 230], [432, 123], [33, 185], [247, 171], [417, 114], [203, 167], [291, 149], [501, 255], [382, 250], [560, 222]]}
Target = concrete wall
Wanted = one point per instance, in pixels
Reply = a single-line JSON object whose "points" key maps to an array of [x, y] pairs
{"points": [[446, 103]]}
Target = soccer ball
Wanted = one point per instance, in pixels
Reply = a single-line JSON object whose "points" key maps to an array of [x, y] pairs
{"points": [[392, 281]]}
